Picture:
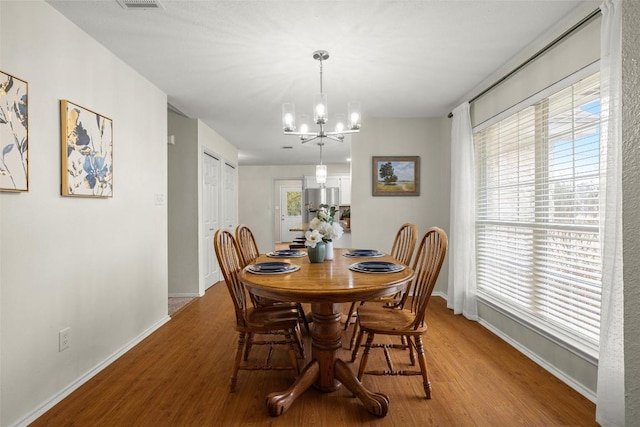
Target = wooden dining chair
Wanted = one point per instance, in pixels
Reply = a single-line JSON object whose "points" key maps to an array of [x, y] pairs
{"points": [[250, 321], [247, 244], [402, 250], [249, 251], [408, 319]]}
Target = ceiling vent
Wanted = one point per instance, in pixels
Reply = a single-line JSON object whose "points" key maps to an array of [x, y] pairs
{"points": [[140, 4]]}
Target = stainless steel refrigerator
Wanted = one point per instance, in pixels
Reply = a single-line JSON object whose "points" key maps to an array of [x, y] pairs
{"points": [[312, 198]]}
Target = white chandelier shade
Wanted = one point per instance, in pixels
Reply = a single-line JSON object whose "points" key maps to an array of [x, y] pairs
{"points": [[321, 174]]}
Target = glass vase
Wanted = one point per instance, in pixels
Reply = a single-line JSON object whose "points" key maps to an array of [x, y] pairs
{"points": [[328, 252], [317, 254]]}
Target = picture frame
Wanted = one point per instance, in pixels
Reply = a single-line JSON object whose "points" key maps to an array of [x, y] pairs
{"points": [[14, 133], [86, 152], [395, 175]]}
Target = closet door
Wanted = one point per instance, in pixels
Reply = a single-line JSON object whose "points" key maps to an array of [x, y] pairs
{"points": [[229, 196], [211, 196]]}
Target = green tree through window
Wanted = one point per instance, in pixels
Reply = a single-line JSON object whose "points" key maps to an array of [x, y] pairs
{"points": [[294, 203]]}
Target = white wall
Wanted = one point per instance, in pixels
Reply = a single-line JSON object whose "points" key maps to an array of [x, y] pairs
{"points": [[631, 205], [375, 220], [98, 266], [182, 204]]}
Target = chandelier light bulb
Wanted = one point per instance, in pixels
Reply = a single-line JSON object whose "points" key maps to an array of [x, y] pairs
{"points": [[354, 116], [288, 119], [339, 123], [320, 108]]}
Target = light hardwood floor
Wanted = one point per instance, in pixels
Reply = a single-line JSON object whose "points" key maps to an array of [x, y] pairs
{"points": [[179, 376]]}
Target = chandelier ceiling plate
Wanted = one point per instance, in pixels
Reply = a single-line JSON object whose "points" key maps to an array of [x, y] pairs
{"points": [[321, 55]]}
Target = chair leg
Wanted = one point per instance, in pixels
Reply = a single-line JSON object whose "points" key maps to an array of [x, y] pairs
{"points": [[237, 361], [299, 342], [352, 341], [303, 316], [356, 346], [248, 345], [365, 354], [423, 366], [352, 309], [293, 353], [408, 343]]}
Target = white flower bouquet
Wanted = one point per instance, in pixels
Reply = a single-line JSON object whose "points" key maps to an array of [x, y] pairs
{"points": [[323, 228]]}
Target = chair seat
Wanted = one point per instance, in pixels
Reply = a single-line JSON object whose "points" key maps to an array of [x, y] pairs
{"points": [[271, 317], [389, 321]]}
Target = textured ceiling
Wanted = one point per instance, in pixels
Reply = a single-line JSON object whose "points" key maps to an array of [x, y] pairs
{"points": [[232, 64]]}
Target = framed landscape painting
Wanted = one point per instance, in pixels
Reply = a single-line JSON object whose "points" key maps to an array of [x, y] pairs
{"points": [[396, 176], [87, 152], [14, 134]]}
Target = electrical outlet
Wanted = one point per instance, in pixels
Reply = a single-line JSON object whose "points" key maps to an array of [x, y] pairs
{"points": [[63, 339]]}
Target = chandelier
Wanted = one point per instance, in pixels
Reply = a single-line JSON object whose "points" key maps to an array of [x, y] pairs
{"points": [[320, 118]]}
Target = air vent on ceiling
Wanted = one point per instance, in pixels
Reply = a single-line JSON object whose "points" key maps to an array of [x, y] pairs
{"points": [[140, 4], [287, 147]]}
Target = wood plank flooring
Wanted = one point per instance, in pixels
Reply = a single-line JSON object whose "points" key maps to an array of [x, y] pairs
{"points": [[179, 376]]}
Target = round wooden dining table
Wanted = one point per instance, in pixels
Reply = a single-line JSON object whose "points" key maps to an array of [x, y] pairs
{"points": [[326, 286]]}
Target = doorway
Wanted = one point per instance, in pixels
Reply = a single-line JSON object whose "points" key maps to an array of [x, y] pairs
{"points": [[289, 209], [210, 216]]}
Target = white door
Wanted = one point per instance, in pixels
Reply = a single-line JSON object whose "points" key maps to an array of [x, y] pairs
{"points": [[230, 196], [210, 216], [290, 213]]}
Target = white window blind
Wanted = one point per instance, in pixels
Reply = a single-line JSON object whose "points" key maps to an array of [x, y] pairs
{"points": [[537, 225]]}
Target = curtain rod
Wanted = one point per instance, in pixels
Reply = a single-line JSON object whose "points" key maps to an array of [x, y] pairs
{"points": [[554, 42]]}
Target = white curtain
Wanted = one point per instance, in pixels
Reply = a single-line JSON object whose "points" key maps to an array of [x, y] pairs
{"points": [[462, 251], [610, 393]]}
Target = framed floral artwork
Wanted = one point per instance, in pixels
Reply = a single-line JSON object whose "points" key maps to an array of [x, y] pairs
{"points": [[87, 152], [396, 176], [14, 133]]}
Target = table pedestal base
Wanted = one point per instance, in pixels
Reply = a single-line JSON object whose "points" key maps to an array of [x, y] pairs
{"points": [[279, 402], [325, 372]]}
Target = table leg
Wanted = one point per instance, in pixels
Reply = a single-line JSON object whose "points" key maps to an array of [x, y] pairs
{"points": [[326, 341], [279, 402], [376, 403]]}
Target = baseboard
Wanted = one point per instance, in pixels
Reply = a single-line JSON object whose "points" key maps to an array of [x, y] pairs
{"points": [[442, 295], [186, 295], [45, 406]]}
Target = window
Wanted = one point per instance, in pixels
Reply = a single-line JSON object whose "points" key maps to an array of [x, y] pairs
{"points": [[294, 203], [537, 224]]}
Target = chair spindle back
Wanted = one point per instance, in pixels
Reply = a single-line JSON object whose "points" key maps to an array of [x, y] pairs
{"points": [[427, 264], [231, 263], [247, 244], [405, 243]]}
